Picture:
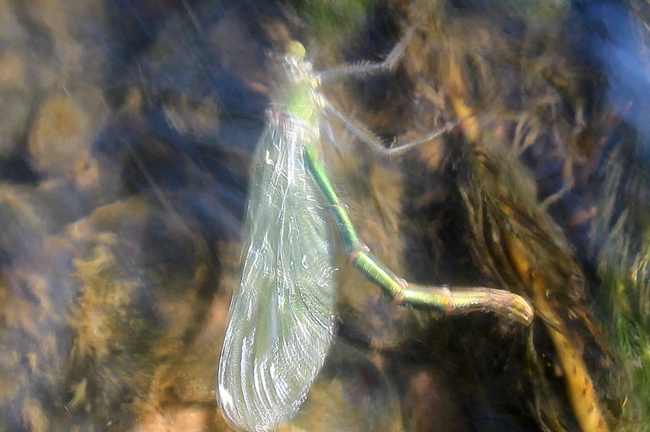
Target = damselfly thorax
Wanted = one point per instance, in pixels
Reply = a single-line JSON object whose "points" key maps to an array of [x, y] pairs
{"points": [[295, 131], [303, 100]]}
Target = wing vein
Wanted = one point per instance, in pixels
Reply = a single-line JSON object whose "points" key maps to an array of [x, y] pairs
{"points": [[281, 316]]}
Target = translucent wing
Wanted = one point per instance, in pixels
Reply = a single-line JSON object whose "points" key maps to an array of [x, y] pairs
{"points": [[281, 317]]}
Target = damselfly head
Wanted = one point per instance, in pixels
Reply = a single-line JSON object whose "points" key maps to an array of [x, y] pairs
{"points": [[296, 50], [299, 70]]}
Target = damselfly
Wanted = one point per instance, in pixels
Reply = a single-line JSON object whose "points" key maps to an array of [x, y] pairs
{"points": [[281, 319]]}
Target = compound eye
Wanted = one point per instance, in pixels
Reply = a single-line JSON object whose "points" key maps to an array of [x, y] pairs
{"points": [[296, 50]]}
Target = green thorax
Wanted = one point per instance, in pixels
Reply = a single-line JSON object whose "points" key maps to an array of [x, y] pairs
{"points": [[300, 102], [302, 84]]}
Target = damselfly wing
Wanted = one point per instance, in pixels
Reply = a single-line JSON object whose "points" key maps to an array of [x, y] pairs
{"points": [[282, 316]]}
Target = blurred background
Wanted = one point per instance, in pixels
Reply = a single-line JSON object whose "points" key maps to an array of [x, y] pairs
{"points": [[127, 129]]}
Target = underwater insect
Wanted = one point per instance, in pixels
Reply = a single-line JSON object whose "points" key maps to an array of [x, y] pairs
{"points": [[282, 316]]}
